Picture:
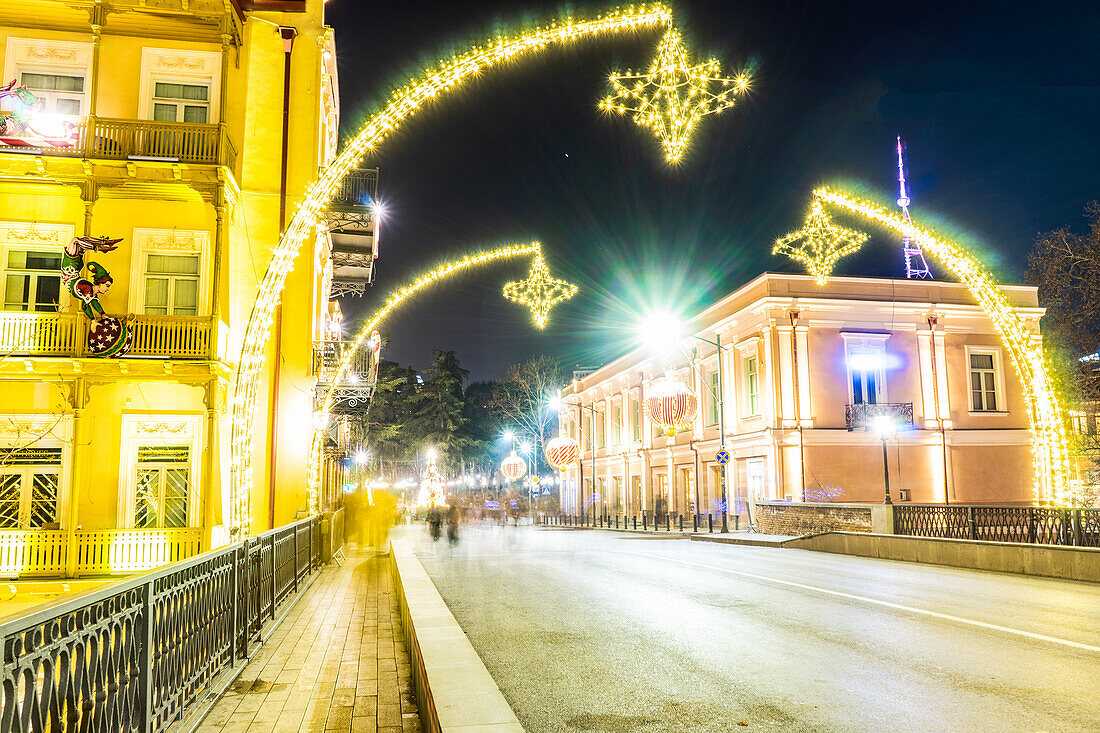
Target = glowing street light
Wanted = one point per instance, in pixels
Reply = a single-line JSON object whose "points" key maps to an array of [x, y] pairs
{"points": [[362, 457]]}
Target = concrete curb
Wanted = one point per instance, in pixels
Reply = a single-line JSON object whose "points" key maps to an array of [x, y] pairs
{"points": [[454, 691], [1049, 561], [749, 540]]}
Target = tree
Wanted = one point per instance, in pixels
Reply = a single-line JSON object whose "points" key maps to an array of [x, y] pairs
{"points": [[1065, 266], [522, 399], [389, 412], [439, 415], [482, 425]]}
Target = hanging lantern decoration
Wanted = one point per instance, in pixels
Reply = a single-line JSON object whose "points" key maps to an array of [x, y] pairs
{"points": [[562, 452], [513, 467], [671, 404]]}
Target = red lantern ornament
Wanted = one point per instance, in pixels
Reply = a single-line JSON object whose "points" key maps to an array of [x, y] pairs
{"points": [[513, 467], [562, 452], [671, 404]]}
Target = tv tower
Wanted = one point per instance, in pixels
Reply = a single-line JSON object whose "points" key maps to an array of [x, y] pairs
{"points": [[915, 265]]}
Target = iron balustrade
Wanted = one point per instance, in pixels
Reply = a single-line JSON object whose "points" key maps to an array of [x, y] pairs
{"points": [[1036, 525], [863, 414], [358, 188], [141, 654]]}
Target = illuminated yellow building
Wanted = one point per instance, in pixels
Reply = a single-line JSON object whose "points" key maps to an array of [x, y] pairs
{"points": [[190, 129]]}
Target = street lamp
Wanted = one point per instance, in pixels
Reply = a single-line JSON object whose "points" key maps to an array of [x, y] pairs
{"points": [[591, 446], [884, 427], [662, 329]]}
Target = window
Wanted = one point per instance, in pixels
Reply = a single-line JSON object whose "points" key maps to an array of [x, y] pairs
{"points": [[163, 480], [601, 429], [29, 485], [32, 280], [983, 382], [865, 355], [617, 422], [617, 482], [172, 284], [60, 93], [635, 494], [712, 398], [179, 102], [752, 387], [636, 417]]}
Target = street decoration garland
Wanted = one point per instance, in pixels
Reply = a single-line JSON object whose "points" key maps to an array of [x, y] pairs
{"points": [[403, 104], [820, 243], [670, 404], [513, 467], [562, 452]]}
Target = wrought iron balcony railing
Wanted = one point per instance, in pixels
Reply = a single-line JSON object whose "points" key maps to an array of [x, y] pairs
{"points": [[359, 188], [353, 392], [121, 139], [863, 415], [66, 334]]}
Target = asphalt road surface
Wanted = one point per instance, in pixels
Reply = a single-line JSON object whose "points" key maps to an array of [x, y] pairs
{"points": [[600, 631]]}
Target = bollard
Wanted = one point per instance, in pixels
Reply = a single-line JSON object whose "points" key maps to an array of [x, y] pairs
{"points": [[681, 523], [694, 523], [616, 521], [710, 523], [668, 522], [643, 522], [634, 518]]}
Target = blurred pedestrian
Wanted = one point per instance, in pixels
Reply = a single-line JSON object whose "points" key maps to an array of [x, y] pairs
{"points": [[452, 524]]}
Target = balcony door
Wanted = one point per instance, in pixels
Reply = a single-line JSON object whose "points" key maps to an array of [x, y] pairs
{"points": [[30, 482], [163, 485], [172, 284], [176, 101]]}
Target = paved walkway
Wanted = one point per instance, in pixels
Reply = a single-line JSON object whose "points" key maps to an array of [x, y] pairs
{"points": [[336, 663]]}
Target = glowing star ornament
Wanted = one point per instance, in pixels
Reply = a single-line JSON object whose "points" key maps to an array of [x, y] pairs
{"points": [[670, 98], [820, 243], [540, 292]]}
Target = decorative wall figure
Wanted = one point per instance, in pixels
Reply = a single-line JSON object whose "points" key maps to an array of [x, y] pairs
{"points": [[107, 336]]}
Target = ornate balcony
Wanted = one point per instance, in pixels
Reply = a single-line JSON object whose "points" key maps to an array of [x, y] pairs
{"points": [[353, 392], [66, 334], [119, 139], [353, 227], [862, 416], [25, 553]]}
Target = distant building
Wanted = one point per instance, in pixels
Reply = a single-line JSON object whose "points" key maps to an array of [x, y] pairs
{"points": [[807, 369]]}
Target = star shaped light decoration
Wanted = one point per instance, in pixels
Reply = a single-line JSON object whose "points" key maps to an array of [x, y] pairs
{"points": [[822, 243], [540, 291], [671, 97]]}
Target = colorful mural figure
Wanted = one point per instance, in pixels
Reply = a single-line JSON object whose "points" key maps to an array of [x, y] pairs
{"points": [[107, 336], [24, 124]]}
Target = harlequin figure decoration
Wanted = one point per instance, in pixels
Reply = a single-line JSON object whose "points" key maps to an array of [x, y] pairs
{"points": [[107, 336]]}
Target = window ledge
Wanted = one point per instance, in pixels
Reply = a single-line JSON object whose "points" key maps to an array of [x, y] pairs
{"points": [[988, 413]]}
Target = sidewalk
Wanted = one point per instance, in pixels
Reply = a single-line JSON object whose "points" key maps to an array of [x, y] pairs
{"points": [[337, 663]]}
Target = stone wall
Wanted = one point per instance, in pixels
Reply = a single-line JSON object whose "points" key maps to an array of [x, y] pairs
{"points": [[780, 517]]}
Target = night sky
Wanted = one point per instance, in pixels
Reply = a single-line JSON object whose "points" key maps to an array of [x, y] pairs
{"points": [[999, 104]]}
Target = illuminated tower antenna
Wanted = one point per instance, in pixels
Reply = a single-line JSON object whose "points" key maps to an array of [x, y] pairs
{"points": [[915, 265]]}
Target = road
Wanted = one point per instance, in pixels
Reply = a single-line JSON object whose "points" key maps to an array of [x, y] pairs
{"points": [[588, 630]]}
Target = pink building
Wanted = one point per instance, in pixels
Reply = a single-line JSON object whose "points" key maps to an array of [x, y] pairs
{"points": [[806, 372]]}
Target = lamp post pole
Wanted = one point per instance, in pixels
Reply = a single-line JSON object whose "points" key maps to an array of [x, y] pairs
{"points": [[721, 432], [886, 470]]}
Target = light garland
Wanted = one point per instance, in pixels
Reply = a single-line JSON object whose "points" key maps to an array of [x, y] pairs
{"points": [[404, 103], [540, 308], [670, 98], [822, 243], [540, 292], [1050, 448]]}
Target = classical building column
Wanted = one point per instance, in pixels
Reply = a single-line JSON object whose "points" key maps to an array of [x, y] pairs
{"points": [[802, 357], [786, 418], [929, 408], [79, 401]]}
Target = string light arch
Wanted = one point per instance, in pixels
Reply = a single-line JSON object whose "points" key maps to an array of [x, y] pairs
{"points": [[1049, 446], [404, 103], [538, 300]]}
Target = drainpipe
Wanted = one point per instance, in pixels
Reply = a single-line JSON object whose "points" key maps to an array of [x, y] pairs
{"points": [[287, 34]]}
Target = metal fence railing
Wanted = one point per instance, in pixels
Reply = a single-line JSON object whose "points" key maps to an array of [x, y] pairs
{"points": [[1038, 525], [141, 654]]}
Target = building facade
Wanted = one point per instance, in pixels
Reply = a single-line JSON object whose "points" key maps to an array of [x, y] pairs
{"points": [[189, 129], [808, 375]]}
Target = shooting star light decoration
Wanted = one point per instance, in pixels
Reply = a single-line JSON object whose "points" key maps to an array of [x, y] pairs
{"points": [[671, 97]]}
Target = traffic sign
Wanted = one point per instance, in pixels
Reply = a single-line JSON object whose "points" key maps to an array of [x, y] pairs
{"points": [[535, 493], [723, 457]]}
